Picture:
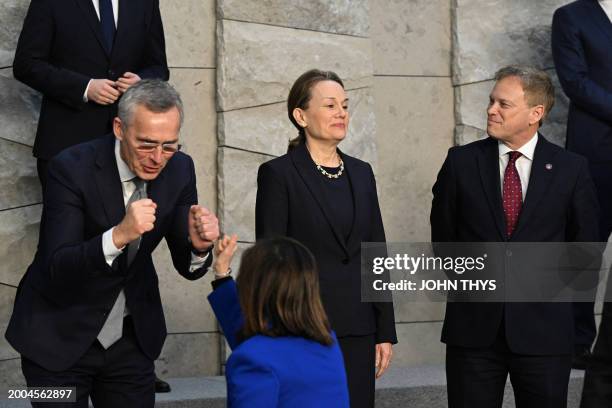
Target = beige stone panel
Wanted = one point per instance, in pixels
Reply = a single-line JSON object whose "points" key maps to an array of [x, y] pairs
{"points": [[10, 375], [20, 108], [18, 177], [411, 37], [189, 28], [419, 344], [333, 16], [467, 134], [267, 129], [410, 308], [471, 103], [257, 64], [414, 119], [489, 35], [238, 190], [185, 305], [12, 14], [7, 299], [198, 135], [189, 355], [18, 240]]}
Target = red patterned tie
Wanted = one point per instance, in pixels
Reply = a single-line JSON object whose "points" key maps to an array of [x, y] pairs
{"points": [[513, 194]]}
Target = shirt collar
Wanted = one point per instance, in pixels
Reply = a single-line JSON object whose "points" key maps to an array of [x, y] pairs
{"points": [[125, 174], [526, 150]]}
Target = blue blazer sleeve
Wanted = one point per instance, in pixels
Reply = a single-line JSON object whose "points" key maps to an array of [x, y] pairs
{"points": [[225, 305]]}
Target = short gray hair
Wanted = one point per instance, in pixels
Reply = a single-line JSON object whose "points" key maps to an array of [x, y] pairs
{"points": [[537, 85], [154, 94]]}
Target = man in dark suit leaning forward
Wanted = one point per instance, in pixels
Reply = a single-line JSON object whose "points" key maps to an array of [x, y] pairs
{"points": [[88, 311], [514, 186]]}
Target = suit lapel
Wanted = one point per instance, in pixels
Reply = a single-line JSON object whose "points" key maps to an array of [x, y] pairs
{"points": [[125, 15], [542, 171], [314, 182], [89, 14], [488, 164], [352, 173], [600, 18], [108, 182]]}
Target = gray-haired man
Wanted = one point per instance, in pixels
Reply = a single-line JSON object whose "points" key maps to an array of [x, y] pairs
{"points": [[88, 311]]}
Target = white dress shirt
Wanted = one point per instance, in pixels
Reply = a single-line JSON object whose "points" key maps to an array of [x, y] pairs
{"points": [[606, 5], [127, 185], [523, 163]]}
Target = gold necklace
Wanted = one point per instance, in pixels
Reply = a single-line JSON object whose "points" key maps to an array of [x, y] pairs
{"points": [[329, 175]]}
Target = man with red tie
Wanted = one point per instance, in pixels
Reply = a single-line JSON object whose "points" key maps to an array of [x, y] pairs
{"points": [[513, 186]]}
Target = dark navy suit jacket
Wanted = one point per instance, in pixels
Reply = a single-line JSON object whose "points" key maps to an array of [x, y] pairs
{"points": [[65, 296], [292, 202], [268, 372], [581, 45], [560, 206], [61, 48]]}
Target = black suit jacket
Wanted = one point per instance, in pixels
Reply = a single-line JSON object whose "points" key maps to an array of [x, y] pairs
{"points": [[581, 43], [560, 206], [65, 296], [61, 48], [291, 201]]}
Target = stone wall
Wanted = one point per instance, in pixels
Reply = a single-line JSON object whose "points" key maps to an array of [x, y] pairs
{"points": [[414, 114]]}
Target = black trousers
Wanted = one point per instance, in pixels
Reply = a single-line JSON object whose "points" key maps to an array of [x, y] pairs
{"points": [[597, 391], [359, 354], [476, 378], [120, 376]]}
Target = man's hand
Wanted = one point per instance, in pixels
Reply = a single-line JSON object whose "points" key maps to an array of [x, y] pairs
{"points": [[139, 218], [384, 351], [224, 252], [102, 92], [128, 79], [203, 227]]}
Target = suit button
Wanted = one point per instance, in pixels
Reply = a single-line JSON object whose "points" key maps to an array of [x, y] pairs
{"points": [[508, 252], [345, 261], [111, 74]]}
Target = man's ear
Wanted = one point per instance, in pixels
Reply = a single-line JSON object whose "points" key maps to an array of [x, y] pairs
{"points": [[117, 128], [537, 114]]}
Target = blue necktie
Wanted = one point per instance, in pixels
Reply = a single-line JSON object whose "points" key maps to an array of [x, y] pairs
{"points": [[107, 22]]}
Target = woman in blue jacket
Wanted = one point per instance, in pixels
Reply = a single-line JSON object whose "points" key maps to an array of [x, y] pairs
{"points": [[284, 352]]}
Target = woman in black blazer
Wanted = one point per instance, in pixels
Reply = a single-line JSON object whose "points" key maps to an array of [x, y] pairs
{"points": [[327, 200]]}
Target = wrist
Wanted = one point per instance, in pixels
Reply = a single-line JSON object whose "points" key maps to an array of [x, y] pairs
{"points": [[119, 239], [222, 272], [200, 251]]}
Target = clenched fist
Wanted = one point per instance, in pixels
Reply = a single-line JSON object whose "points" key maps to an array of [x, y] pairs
{"points": [[203, 227], [139, 218]]}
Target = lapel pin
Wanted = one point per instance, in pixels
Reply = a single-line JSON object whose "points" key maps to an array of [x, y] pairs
{"points": [[548, 166]]}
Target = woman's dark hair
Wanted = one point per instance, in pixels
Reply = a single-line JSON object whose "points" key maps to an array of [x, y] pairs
{"points": [[300, 95], [278, 288]]}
